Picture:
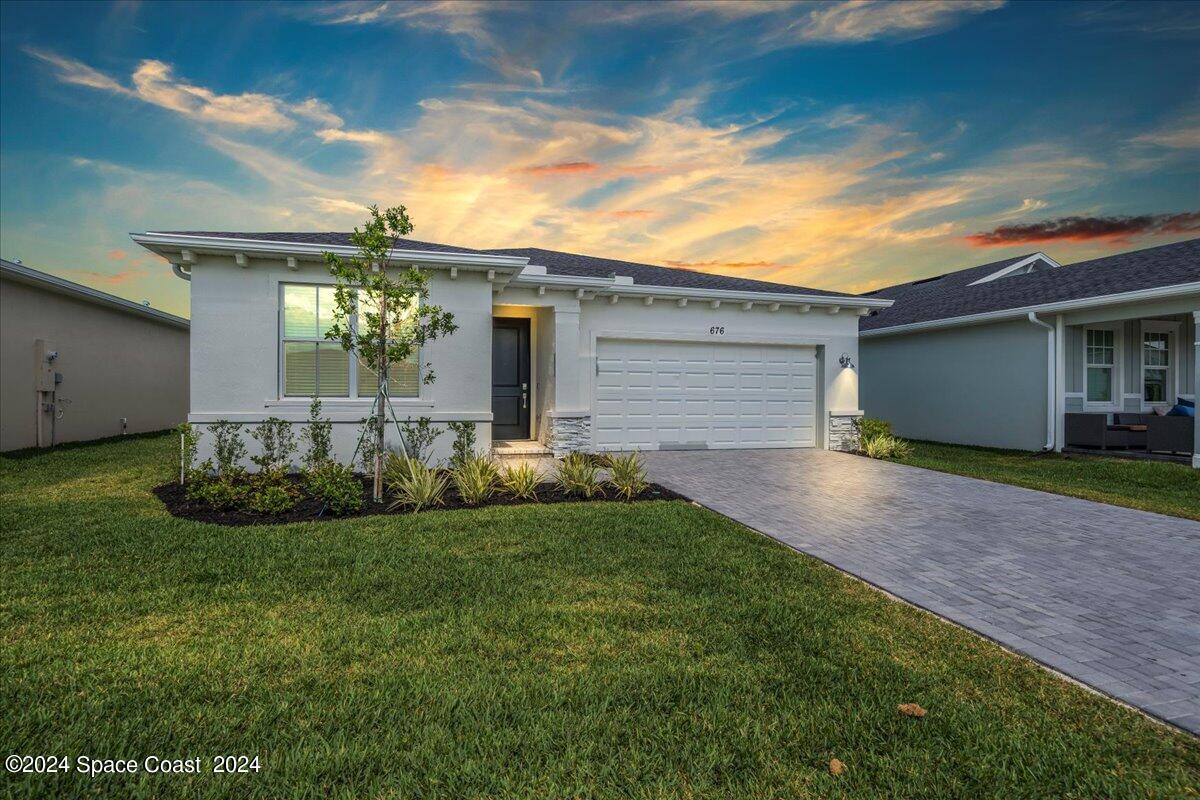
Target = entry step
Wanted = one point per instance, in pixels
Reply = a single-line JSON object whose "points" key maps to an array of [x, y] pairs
{"points": [[521, 448]]}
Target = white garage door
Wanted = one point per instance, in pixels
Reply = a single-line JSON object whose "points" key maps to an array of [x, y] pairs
{"points": [[652, 394]]}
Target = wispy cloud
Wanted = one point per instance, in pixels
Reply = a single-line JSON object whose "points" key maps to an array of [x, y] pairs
{"points": [[69, 70], [1028, 206], [790, 23], [466, 20], [94, 277], [1156, 19], [153, 82], [562, 168], [1181, 135], [865, 20], [1079, 229], [774, 24], [630, 213], [717, 264]]}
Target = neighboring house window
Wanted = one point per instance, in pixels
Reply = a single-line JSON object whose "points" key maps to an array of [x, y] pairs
{"points": [[313, 365], [1156, 362], [1101, 365]]}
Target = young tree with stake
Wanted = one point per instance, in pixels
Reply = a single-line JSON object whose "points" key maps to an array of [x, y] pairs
{"points": [[380, 313]]}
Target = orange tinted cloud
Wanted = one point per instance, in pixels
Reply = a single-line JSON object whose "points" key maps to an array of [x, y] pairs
{"points": [[1084, 229], [630, 213], [117, 255], [633, 170], [108, 278], [564, 168], [717, 264]]}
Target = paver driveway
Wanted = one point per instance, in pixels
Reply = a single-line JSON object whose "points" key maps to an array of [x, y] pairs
{"points": [[1107, 595]]}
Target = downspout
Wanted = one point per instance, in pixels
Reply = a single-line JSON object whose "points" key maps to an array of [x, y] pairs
{"points": [[1050, 379], [180, 272]]}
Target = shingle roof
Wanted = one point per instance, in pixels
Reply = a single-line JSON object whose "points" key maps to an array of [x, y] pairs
{"points": [[331, 238], [555, 262], [559, 263], [950, 295]]}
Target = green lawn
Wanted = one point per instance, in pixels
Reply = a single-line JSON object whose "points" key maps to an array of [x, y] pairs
{"points": [[576, 650], [1166, 488]]}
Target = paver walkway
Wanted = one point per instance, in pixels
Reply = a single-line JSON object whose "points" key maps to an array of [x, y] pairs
{"points": [[1107, 595]]}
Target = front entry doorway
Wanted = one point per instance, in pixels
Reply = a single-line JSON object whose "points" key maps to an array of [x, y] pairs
{"points": [[510, 378]]}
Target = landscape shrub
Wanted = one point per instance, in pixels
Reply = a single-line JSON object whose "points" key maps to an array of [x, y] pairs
{"points": [[464, 442], [414, 484], [336, 486], [276, 443], [627, 475], [475, 479], [228, 448], [870, 428], [419, 437], [521, 481], [220, 493], [271, 498], [601, 460], [578, 475], [317, 437], [886, 447]]}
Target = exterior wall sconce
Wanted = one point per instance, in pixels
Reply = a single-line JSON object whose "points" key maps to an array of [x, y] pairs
{"points": [[845, 361]]}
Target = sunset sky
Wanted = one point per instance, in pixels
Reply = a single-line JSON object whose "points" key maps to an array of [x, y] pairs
{"points": [[843, 145]]}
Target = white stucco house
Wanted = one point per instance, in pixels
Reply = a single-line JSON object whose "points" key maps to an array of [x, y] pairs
{"points": [[570, 351]]}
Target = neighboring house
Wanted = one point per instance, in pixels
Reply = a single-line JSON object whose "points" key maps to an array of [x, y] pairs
{"points": [[78, 364], [998, 354], [572, 351]]}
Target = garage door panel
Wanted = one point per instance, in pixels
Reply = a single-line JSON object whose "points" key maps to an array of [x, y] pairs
{"points": [[779, 408], [663, 394]]}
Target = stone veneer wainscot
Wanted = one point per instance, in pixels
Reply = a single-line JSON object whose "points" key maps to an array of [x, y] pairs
{"points": [[567, 434], [843, 431]]}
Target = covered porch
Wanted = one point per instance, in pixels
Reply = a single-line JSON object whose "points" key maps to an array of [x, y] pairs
{"points": [[1121, 372]]}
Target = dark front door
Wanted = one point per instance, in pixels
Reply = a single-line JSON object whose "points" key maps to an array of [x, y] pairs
{"points": [[510, 378]]}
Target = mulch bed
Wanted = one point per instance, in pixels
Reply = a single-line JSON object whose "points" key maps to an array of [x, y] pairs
{"points": [[308, 510]]}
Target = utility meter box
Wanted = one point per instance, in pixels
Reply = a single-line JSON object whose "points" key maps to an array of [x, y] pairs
{"points": [[44, 354]]}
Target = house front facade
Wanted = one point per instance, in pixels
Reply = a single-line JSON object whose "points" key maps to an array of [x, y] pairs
{"points": [[1029, 354], [573, 352]]}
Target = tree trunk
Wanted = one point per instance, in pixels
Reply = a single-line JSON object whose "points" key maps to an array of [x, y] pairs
{"points": [[381, 411]]}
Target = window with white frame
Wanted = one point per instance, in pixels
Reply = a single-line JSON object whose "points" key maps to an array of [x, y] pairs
{"points": [[1156, 366], [1101, 359], [316, 366]]}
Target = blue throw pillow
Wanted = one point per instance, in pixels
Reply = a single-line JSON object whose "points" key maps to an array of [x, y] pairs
{"points": [[1182, 411], [1179, 401]]}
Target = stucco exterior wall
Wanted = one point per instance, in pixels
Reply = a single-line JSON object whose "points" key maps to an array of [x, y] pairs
{"points": [[114, 364], [236, 354], [981, 384]]}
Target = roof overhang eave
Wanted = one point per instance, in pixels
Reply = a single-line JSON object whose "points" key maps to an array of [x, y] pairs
{"points": [[171, 245], [611, 286], [1063, 306]]}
